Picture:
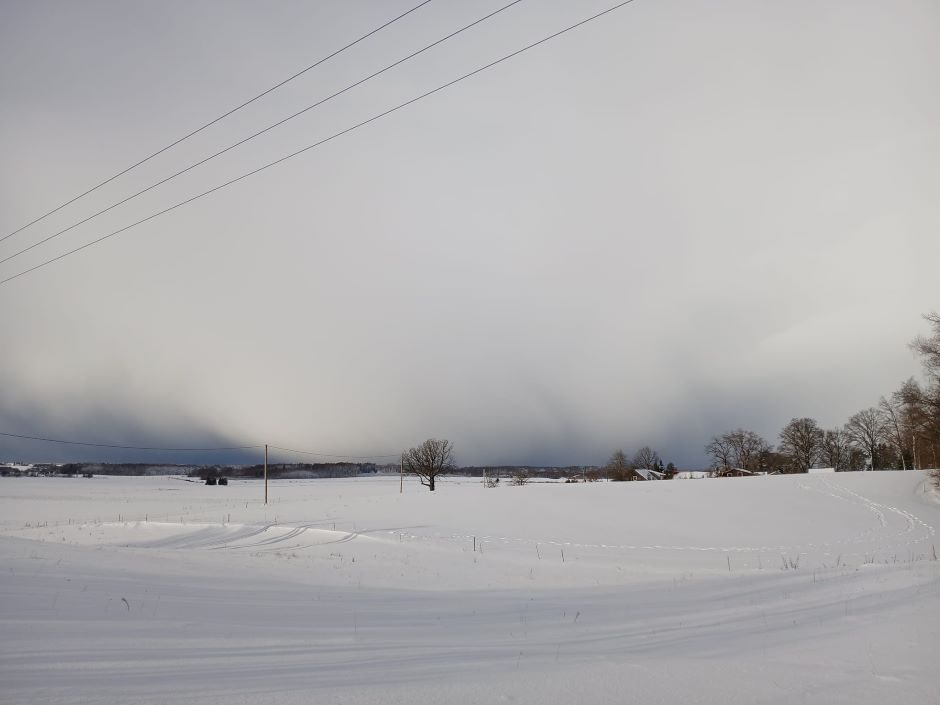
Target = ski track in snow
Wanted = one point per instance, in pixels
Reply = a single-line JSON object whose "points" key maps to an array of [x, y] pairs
{"points": [[886, 535], [233, 538], [198, 612], [877, 538]]}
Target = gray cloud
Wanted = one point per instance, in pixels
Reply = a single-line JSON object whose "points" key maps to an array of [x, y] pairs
{"points": [[680, 219]]}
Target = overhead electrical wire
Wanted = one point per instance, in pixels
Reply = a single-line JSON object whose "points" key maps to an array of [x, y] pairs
{"points": [[219, 118], [321, 142], [121, 447], [260, 132], [334, 455], [257, 446]]}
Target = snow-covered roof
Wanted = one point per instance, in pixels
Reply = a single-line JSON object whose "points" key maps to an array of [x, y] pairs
{"points": [[730, 471]]}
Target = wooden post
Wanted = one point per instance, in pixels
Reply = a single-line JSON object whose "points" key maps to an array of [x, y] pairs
{"points": [[401, 482], [265, 473]]}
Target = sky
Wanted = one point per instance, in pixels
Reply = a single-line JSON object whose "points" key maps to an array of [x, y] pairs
{"points": [[681, 218]]}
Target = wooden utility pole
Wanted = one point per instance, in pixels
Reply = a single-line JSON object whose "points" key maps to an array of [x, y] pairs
{"points": [[401, 482], [265, 473]]}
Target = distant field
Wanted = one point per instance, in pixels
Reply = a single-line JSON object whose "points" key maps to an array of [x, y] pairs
{"points": [[810, 589]]}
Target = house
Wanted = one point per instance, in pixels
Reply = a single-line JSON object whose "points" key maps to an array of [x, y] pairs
{"points": [[734, 472], [647, 474]]}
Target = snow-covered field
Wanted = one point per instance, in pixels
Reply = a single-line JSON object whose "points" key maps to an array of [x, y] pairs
{"points": [[801, 589]]}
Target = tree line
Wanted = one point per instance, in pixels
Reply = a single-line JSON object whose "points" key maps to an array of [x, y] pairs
{"points": [[290, 470], [902, 431], [620, 468]]}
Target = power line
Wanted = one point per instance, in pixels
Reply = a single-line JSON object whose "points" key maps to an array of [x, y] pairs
{"points": [[260, 132], [334, 455], [321, 142], [121, 447], [219, 118], [223, 448]]}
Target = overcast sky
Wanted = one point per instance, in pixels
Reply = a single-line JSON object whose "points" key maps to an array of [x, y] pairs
{"points": [[681, 218]]}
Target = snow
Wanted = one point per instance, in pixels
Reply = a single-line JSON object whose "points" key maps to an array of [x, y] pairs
{"points": [[16, 466], [692, 475], [779, 589], [648, 474]]}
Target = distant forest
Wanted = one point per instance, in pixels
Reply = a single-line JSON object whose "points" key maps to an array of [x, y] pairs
{"points": [[299, 470], [292, 470], [135, 469]]}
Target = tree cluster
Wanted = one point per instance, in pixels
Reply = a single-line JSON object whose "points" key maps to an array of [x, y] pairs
{"points": [[902, 431], [740, 449], [620, 469]]}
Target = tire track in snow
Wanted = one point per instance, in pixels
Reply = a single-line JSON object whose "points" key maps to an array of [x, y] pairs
{"points": [[224, 538]]}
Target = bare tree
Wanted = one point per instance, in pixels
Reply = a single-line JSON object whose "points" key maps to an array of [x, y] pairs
{"points": [[740, 449], [429, 460], [891, 412], [835, 449], [617, 467], [916, 420], [719, 448], [919, 409], [866, 430], [520, 477], [928, 347], [646, 458], [749, 449], [801, 440]]}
